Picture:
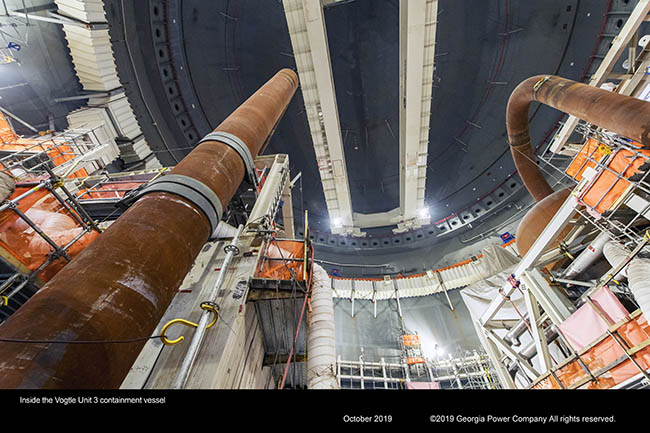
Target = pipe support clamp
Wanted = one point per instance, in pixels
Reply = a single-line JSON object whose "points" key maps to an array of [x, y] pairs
{"points": [[240, 147], [190, 189]]}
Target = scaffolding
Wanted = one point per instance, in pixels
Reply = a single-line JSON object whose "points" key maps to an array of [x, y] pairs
{"points": [[611, 195], [412, 355], [43, 225], [72, 153], [467, 370]]}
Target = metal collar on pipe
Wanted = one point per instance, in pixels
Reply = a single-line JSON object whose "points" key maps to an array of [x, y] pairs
{"points": [[190, 189], [240, 147]]}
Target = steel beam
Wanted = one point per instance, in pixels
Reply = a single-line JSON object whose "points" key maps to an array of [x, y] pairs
{"points": [[510, 353], [418, 20], [555, 304], [306, 23], [554, 227], [268, 202], [539, 337], [493, 354]]}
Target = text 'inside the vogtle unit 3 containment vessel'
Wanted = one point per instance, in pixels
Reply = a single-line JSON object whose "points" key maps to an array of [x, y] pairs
{"points": [[65, 401]]}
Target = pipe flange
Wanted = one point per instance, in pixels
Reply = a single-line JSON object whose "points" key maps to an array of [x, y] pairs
{"points": [[232, 248], [240, 147], [190, 189]]}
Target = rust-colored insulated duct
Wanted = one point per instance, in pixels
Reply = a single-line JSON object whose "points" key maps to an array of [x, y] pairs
{"points": [[622, 114], [118, 288]]}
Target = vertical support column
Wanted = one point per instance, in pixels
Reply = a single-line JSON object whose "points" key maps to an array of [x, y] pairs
{"points": [[338, 369], [555, 304], [399, 306], [287, 212], [539, 337], [352, 295], [361, 371], [456, 374], [495, 357], [383, 373], [374, 300], [405, 366]]}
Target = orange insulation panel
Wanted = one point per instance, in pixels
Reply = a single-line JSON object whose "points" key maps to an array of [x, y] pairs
{"points": [[279, 269], [27, 246], [608, 187]]}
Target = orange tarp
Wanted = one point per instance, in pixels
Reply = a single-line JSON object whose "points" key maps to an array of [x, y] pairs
{"points": [[607, 186], [411, 340], [27, 246], [10, 142], [279, 269], [60, 154], [580, 163], [7, 134], [603, 354]]}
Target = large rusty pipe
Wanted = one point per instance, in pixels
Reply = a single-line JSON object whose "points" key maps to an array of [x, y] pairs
{"points": [[625, 115], [119, 287], [622, 114]]}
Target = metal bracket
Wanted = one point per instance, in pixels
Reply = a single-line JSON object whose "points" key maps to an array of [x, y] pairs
{"points": [[232, 247], [188, 188], [240, 147]]}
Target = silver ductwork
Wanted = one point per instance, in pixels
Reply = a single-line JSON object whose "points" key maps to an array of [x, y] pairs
{"points": [[321, 346]]}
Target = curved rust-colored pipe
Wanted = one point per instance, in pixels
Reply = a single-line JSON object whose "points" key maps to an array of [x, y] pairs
{"points": [[625, 115], [119, 287], [622, 114]]}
